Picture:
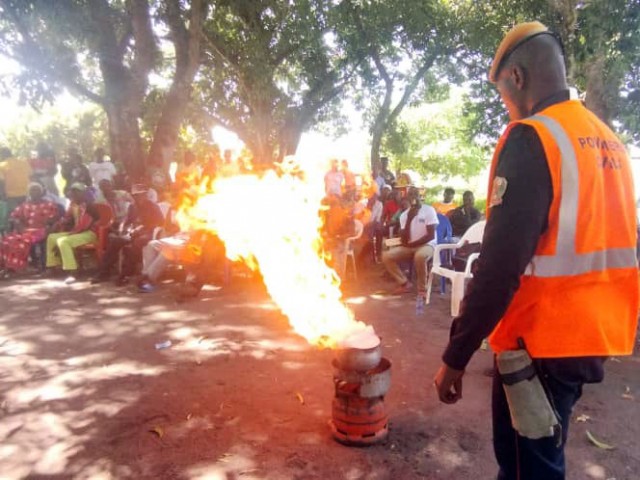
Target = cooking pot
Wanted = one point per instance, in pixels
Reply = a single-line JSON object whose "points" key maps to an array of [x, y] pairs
{"points": [[370, 384], [360, 359]]}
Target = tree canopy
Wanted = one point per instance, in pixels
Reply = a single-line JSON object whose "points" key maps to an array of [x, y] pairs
{"points": [[602, 52], [433, 140], [271, 69]]}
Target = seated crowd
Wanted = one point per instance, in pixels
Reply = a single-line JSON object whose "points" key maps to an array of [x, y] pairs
{"points": [[129, 229], [393, 215], [132, 231]]}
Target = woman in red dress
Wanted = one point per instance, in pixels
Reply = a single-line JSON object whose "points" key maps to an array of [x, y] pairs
{"points": [[30, 221]]}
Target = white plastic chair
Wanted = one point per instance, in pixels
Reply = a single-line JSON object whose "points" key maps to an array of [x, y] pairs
{"points": [[472, 235], [349, 247]]}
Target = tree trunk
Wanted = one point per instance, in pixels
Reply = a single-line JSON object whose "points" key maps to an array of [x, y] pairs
{"points": [[263, 150], [124, 139], [387, 116], [376, 141], [124, 85], [568, 23], [165, 137], [381, 122], [263, 153], [289, 136], [187, 47], [596, 95]]}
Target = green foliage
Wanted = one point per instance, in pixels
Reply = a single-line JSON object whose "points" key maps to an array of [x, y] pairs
{"points": [[401, 44], [60, 44], [433, 140], [605, 47], [271, 69], [83, 129], [602, 46], [485, 25]]}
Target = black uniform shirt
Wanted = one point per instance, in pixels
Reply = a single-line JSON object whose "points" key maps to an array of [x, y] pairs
{"points": [[509, 243]]}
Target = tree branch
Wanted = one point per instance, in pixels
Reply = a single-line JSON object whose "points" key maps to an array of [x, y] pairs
{"points": [[145, 42], [373, 51], [411, 87], [42, 62]]}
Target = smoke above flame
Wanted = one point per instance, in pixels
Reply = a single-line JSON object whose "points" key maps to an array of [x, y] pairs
{"points": [[272, 221]]}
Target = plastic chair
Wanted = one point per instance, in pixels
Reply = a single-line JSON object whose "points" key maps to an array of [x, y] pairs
{"points": [[105, 219], [350, 250], [472, 235], [444, 233]]}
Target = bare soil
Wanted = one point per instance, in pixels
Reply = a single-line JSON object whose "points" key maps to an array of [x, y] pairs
{"points": [[85, 394]]}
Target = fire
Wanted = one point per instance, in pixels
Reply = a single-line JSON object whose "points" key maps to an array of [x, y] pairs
{"points": [[272, 222]]}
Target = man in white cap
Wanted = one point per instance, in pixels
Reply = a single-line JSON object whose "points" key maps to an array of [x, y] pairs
{"points": [[556, 282]]}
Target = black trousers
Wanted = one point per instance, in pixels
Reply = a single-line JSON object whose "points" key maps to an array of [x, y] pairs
{"points": [[112, 254], [521, 458], [131, 252]]}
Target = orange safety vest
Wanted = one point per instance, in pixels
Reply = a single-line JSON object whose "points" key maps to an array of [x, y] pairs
{"points": [[579, 294]]}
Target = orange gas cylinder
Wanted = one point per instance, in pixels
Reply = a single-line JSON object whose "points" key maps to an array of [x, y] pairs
{"points": [[361, 378]]}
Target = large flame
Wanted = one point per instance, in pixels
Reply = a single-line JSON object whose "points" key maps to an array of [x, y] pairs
{"points": [[272, 222]]}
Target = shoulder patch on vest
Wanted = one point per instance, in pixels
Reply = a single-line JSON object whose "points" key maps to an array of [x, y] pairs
{"points": [[497, 191]]}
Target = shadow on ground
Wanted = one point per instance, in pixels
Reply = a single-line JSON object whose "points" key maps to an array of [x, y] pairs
{"points": [[85, 393]]}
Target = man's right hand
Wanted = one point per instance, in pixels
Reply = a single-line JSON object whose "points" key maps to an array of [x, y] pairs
{"points": [[448, 383]]}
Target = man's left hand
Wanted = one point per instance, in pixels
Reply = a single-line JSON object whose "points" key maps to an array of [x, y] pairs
{"points": [[448, 383]]}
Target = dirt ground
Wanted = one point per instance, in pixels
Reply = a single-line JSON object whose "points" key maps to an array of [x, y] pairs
{"points": [[84, 393]]}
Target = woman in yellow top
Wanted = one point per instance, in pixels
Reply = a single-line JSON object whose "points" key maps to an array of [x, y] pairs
{"points": [[15, 174]]}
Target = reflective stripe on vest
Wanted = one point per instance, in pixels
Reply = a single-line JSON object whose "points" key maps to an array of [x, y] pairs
{"points": [[566, 261]]}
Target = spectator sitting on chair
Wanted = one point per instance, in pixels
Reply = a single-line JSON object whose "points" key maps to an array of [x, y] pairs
{"points": [[417, 232], [463, 217], [447, 204], [391, 204], [394, 220], [77, 228], [31, 221], [198, 252], [142, 218], [157, 255], [118, 200], [210, 264]]}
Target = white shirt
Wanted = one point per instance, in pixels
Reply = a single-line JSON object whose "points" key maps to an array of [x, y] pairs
{"points": [[101, 171], [376, 211], [333, 182], [426, 216]]}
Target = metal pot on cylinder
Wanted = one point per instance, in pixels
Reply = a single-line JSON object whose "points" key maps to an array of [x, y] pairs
{"points": [[359, 359], [361, 378]]}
